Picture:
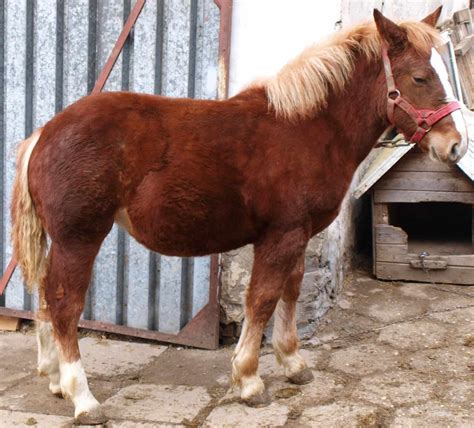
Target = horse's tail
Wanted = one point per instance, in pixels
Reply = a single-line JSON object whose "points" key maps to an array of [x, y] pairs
{"points": [[28, 234]]}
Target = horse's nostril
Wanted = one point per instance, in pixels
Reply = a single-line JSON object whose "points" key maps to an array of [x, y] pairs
{"points": [[454, 153]]}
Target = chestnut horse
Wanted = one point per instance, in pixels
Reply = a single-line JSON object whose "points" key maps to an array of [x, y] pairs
{"points": [[269, 166]]}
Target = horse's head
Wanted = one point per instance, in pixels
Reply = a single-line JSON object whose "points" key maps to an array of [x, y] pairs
{"points": [[420, 101]]}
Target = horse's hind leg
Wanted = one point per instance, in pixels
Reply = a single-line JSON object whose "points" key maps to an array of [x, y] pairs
{"points": [[48, 362], [65, 285], [275, 259], [285, 336]]}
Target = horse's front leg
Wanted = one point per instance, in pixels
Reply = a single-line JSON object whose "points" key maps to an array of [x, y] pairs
{"points": [[274, 261], [285, 336]]}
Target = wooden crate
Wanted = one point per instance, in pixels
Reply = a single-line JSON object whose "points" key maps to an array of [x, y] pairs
{"points": [[415, 179]]}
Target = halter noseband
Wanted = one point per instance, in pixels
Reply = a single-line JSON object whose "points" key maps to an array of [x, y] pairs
{"points": [[424, 118]]}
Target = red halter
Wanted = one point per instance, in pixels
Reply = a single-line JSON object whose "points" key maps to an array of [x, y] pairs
{"points": [[424, 118]]}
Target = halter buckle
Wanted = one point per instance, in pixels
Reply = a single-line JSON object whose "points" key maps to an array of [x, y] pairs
{"points": [[393, 95]]}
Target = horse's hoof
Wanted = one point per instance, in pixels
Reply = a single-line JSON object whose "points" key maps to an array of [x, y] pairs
{"points": [[261, 399], [302, 378], [93, 417], [56, 390]]}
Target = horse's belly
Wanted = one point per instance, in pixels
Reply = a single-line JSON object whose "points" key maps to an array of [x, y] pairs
{"points": [[184, 234]]}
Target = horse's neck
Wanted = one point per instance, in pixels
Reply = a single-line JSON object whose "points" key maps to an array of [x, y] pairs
{"points": [[358, 111]]}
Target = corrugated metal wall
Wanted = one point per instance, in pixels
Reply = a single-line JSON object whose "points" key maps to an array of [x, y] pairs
{"points": [[50, 54]]}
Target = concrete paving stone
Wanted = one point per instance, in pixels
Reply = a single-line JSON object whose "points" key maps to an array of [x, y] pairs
{"points": [[457, 289], [10, 418], [31, 394], [18, 352], [413, 335], [407, 300], [191, 367], [462, 320], [450, 301], [364, 359], [320, 389], [15, 341], [341, 414], [394, 311], [394, 389], [269, 367], [157, 403], [104, 357], [9, 378], [455, 360], [236, 415], [134, 424], [431, 415], [459, 392], [417, 290], [340, 323], [458, 317]]}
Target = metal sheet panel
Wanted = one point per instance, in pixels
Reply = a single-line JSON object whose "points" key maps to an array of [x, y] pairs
{"points": [[52, 52], [15, 123]]}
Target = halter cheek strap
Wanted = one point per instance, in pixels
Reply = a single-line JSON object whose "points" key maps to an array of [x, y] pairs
{"points": [[424, 118]]}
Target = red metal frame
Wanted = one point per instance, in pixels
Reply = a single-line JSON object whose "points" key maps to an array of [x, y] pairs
{"points": [[203, 330]]}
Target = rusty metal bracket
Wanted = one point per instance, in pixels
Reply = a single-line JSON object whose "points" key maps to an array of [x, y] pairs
{"points": [[99, 85], [225, 32]]}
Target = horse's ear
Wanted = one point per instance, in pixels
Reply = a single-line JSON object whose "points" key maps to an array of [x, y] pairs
{"points": [[432, 18], [394, 35]]}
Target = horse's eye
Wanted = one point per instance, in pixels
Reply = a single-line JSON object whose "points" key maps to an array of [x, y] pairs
{"points": [[420, 80]]}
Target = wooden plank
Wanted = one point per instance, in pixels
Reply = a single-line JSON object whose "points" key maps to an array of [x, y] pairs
{"points": [[431, 181], [374, 245], [462, 16], [379, 214], [399, 271], [387, 234], [388, 196], [464, 46], [462, 31], [392, 252], [416, 161], [398, 253], [382, 160], [9, 323], [429, 264]]}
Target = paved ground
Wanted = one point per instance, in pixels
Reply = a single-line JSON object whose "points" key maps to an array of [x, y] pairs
{"points": [[388, 355]]}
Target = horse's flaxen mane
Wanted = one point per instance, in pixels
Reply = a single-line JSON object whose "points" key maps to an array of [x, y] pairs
{"points": [[302, 86]]}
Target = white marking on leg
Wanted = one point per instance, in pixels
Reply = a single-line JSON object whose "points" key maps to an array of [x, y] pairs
{"points": [[237, 355], [246, 351], [250, 386], [440, 68], [284, 337], [48, 362], [74, 385]]}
